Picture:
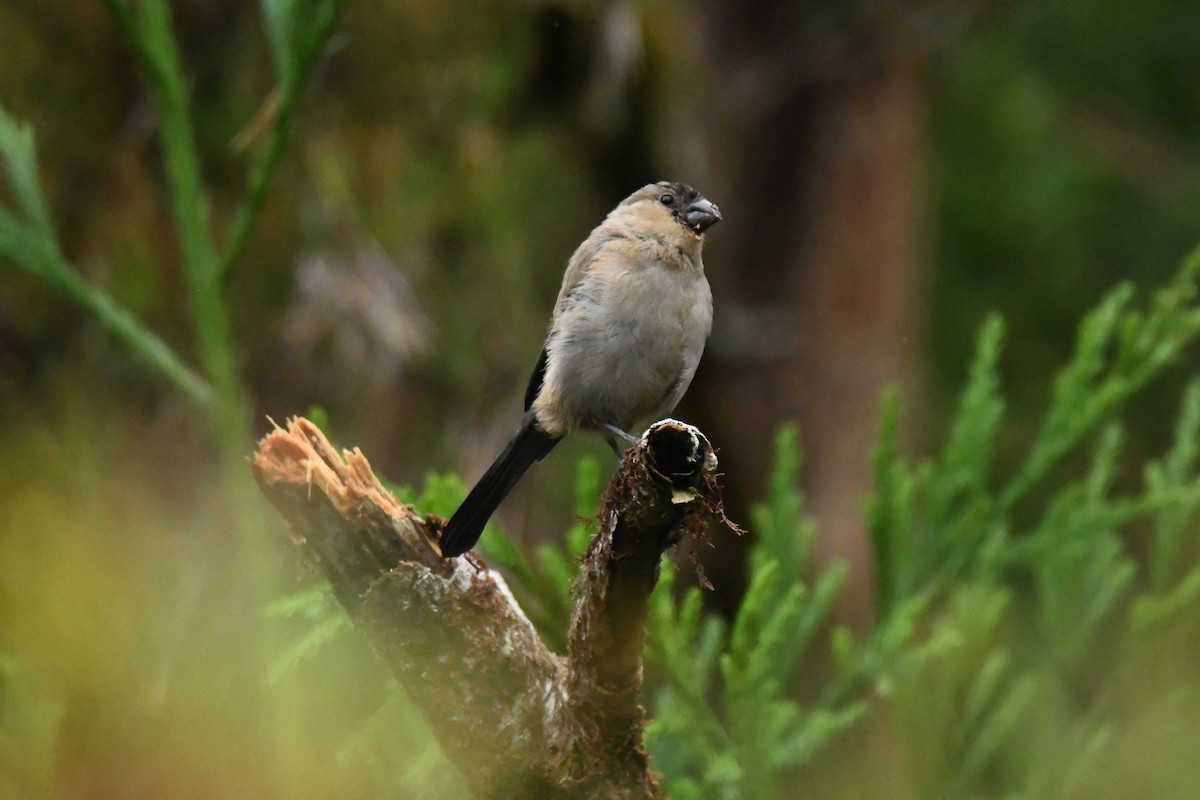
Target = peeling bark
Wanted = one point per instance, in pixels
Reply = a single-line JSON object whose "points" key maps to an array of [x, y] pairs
{"points": [[515, 718]]}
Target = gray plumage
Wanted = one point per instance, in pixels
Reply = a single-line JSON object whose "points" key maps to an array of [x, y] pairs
{"points": [[625, 339]]}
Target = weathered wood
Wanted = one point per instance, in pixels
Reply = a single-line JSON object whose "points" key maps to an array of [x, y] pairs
{"points": [[515, 718]]}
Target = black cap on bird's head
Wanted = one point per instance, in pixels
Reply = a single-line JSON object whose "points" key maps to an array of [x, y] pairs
{"points": [[691, 208]]}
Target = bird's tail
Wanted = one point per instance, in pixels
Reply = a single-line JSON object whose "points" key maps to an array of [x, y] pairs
{"points": [[465, 527]]}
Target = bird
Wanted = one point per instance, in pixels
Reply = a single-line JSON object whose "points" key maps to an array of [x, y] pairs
{"points": [[624, 340]]}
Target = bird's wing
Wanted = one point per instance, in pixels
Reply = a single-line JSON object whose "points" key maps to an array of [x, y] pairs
{"points": [[535, 380], [580, 264]]}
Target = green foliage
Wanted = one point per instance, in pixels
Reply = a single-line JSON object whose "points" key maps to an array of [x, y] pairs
{"points": [[324, 622], [1170, 477], [1038, 599], [28, 239], [946, 519], [555, 565], [727, 720], [1018, 587], [298, 31], [960, 694], [1039, 200]]}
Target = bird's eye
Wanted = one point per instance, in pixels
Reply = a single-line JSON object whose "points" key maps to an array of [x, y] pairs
{"points": [[666, 199]]}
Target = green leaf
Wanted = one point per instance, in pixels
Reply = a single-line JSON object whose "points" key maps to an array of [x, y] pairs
{"points": [[279, 18], [891, 512], [303, 649], [40, 258], [966, 458], [1151, 611], [588, 485], [815, 730], [557, 568], [985, 741], [784, 532], [1176, 474], [1080, 396], [19, 154]]}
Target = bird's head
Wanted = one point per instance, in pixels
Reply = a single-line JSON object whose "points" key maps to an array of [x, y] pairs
{"points": [[677, 201]]}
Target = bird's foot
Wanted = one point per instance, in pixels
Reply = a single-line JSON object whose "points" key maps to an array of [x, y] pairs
{"points": [[619, 434]]}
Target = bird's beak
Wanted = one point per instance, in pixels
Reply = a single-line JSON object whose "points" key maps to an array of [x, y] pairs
{"points": [[702, 215]]}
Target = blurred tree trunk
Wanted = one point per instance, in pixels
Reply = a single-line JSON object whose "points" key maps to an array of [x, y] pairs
{"points": [[817, 150]]}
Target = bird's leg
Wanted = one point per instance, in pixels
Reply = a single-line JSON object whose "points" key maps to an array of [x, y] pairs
{"points": [[619, 434], [612, 443]]}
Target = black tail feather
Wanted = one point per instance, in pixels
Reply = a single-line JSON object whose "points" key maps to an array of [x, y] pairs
{"points": [[465, 527]]}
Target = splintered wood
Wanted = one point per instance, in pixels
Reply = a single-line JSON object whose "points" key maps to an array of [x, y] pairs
{"points": [[301, 454]]}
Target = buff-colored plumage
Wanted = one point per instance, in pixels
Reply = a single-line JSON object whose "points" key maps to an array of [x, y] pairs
{"points": [[625, 338], [630, 323]]}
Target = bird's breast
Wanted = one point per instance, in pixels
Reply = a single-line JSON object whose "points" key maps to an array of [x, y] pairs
{"points": [[625, 345]]}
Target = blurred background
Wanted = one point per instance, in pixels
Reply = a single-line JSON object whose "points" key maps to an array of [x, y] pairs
{"points": [[889, 172]]}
